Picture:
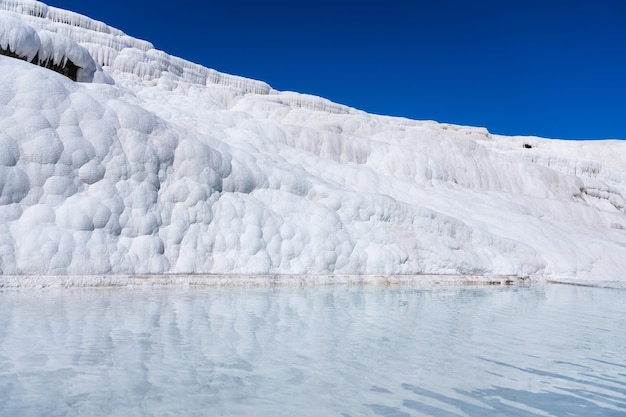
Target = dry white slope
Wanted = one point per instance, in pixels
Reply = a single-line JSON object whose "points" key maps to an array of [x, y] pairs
{"points": [[154, 165]]}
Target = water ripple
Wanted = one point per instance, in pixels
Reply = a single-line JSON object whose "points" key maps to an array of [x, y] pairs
{"points": [[544, 350]]}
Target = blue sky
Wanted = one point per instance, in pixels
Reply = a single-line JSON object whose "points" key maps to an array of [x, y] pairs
{"points": [[549, 68]]}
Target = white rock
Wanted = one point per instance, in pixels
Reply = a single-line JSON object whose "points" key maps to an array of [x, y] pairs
{"points": [[162, 166]]}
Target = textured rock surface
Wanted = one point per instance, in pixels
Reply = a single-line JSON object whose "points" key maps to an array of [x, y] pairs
{"points": [[158, 165]]}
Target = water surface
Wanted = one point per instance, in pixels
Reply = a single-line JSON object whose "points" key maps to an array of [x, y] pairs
{"points": [[541, 350]]}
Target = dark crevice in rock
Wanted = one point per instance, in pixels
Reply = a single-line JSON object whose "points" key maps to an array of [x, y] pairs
{"points": [[67, 68]]}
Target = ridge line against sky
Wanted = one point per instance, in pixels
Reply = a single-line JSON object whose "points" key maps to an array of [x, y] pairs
{"points": [[541, 68]]}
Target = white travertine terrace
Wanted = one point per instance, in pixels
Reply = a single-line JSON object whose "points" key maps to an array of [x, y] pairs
{"points": [[156, 165]]}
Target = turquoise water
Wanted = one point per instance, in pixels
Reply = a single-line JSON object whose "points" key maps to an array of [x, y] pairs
{"points": [[540, 350]]}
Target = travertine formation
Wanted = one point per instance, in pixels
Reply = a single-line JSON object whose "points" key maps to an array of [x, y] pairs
{"points": [[152, 164]]}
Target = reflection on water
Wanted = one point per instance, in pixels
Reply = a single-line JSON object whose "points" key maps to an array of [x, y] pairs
{"points": [[314, 351]]}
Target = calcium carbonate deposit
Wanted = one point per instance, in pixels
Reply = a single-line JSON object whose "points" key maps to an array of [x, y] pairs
{"points": [[116, 158]]}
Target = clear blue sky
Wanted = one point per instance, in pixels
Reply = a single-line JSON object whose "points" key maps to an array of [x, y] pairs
{"points": [[548, 68]]}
